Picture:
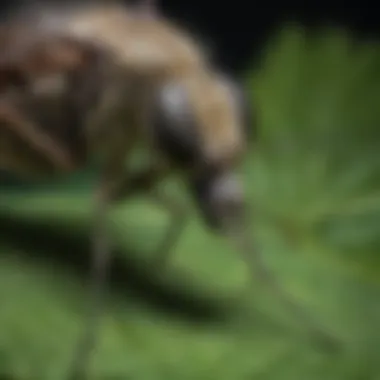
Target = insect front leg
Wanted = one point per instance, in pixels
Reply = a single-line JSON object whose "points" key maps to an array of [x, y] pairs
{"points": [[220, 198], [144, 181]]}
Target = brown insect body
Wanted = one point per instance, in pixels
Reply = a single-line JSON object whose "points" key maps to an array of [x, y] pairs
{"points": [[91, 103]]}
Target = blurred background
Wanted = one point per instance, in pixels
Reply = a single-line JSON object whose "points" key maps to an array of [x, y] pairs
{"points": [[312, 71]]}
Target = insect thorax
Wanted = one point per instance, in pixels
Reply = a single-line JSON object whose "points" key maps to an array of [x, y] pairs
{"points": [[108, 104]]}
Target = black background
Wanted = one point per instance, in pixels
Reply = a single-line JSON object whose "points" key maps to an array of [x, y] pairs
{"points": [[238, 29]]}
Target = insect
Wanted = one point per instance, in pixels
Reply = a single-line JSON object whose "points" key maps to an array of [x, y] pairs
{"points": [[97, 80]]}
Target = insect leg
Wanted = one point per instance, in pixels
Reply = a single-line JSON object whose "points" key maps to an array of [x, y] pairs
{"points": [[101, 254], [177, 224], [250, 254], [101, 257], [135, 183], [38, 140], [144, 181], [220, 197]]}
